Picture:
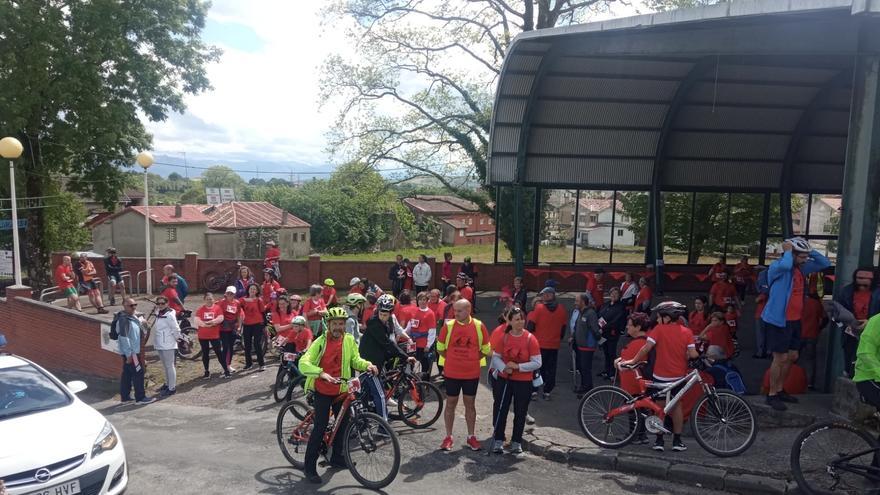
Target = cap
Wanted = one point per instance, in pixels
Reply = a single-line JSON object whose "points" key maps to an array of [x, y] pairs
{"points": [[329, 282], [548, 290], [270, 243], [111, 249], [231, 288]]}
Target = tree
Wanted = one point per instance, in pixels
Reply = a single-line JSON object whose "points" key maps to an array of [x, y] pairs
{"points": [[222, 176], [63, 226], [76, 76]]}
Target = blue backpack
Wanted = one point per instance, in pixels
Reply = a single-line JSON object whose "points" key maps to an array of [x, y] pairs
{"points": [[732, 378]]}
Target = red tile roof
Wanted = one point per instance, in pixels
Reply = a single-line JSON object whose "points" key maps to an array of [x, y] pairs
{"points": [[834, 202], [456, 224], [250, 214], [597, 204], [95, 219], [167, 214], [440, 205]]}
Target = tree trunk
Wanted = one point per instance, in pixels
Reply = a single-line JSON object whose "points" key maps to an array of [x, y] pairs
{"points": [[33, 253]]}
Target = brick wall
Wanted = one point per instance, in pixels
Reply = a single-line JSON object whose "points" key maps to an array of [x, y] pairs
{"points": [[56, 338]]}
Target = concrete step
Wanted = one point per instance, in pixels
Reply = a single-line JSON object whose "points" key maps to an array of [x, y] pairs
{"points": [[810, 408]]}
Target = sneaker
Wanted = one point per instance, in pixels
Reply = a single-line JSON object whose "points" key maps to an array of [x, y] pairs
{"points": [[447, 444], [391, 403], [784, 397], [515, 449], [226, 375], [529, 419], [642, 440], [678, 446], [168, 392], [473, 443], [126, 401], [313, 478], [658, 445], [247, 367], [534, 395], [546, 396], [146, 400], [776, 403], [262, 368], [206, 376], [232, 370], [163, 388], [497, 446], [102, 311]]}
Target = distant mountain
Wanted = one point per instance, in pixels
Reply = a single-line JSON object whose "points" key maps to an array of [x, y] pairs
{"points": [[192, 166]]}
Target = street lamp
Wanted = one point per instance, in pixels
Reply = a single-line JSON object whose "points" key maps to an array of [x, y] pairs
{"points": [[10, 148], [145, 160]]}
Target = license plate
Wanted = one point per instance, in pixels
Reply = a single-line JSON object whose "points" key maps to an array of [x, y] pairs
{"points": [[69, 488]]}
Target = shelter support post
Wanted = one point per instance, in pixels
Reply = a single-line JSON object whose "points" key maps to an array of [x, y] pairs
{"points": [[518, 246], [655, 238], [861, 191]]}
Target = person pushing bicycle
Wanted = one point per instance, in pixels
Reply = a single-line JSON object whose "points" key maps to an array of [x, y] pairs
{"points": [[867, 370], [674, 345], [327, 365]]}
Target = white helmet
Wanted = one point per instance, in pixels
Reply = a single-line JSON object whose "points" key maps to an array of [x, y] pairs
{"points": [[800, 245], [354, 281]]}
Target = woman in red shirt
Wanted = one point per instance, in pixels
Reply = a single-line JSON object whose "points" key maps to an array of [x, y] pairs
{"points": [[314, 309], [254, 324], [642, 303], [296, 304], [699, 317], [717, 333], [270, 288], [515, 357], [637, 331], [233, 316], [722, 293], [282, 315], [208, 319]]}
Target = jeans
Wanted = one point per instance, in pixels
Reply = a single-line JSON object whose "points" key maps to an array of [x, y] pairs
{"points": [[504, 392], [323, 404], [227, 346], [207, 345], [377, 393], [760, 338], [131, 377], [549, 358], [584, 361], [167, 358], [609, 348], [420, 288], [253, 340]]}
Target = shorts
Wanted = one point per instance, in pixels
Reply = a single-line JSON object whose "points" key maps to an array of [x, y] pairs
{"points": [[783, 339], [454, 387], [69, 292], [90, 285], [870, 392], [114, 278], [675, 390]]}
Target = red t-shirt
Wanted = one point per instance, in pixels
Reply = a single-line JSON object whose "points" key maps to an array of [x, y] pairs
{"points": [[463, 354], [718, 272], [423, 320], [731, 318], [300, 340], [697, 321], [254, 311], [171, 294], [795, 307], [813, 315], [742, 273], [268, 290], [309, 305], [437, 308], [272, 254], [861, 304], [467, 293], [279, 319], [596, 289], [404, 313], [722, 336], [207, 314], [722, 294], [517, 349], [331, 363], [64, 277], [548, 325], [368, 313], [645, 294], [671, 343], [231, 309], [328, 294], [628, 380]]}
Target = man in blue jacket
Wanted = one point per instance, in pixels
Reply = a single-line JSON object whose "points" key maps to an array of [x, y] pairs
{"points": [[130, 329], [787, 278]]}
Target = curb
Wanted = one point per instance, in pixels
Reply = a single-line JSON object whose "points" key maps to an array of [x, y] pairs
{"points": [[686, 473]]}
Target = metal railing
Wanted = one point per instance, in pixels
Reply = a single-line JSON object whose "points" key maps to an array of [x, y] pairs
{"points": [[48, 291], [138, 279]]}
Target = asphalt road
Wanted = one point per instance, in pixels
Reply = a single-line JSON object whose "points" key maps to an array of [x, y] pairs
{"points": [[218, 437]]}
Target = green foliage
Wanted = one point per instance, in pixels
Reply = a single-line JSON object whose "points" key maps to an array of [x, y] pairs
{"points": [[222, 176], [507, 220], [62, 228]]}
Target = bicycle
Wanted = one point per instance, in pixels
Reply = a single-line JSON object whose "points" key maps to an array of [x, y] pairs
{"points": [[722, 422], [289, 378], [414, 397], [835, 457], [188, 343], [369, 441], [216, 281]]}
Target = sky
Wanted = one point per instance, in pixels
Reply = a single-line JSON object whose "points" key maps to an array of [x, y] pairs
{"points": [[264, 107]]}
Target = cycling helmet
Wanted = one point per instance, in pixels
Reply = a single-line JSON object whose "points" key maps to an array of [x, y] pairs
{"points": [[296, 297], [800, 245], [337, 313], [354, 299], [329, 282], [354, 281], [299, 320], [672, 309], [386, 303]]}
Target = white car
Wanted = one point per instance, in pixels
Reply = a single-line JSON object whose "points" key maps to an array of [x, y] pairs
{"points": [[52, 443]]}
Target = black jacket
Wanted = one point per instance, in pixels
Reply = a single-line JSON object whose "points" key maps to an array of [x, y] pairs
{"points": [[376, 345], [615, 319]]}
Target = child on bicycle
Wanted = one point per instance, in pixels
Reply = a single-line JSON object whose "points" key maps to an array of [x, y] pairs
{"points": [[674, 346]]}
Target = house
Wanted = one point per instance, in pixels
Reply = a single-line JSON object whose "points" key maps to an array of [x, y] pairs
{"points": [[236, 230], [594, 224], [240, 229], [461, 221], [824, 213], [128, 197]]}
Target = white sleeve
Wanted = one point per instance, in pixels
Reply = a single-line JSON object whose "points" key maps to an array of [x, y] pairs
{"points": [[432, 336]]}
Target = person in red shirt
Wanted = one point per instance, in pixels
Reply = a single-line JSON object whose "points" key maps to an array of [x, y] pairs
{"points": [[699, 317], [718, 334], [722, 293], [282, 316], [208, 318], [66, 282], [328, 293], [423, 331], [636, 329], [743, 276], [731, 317], [548, 322], [642, 303], [463, 345], [270, 288], [465, 290], [254, 322], [314, 309], [171, 295], [718, 271], [436, 304], [813, 321], [296, 305], [674, 345], [596, 287], [233, 316], [408, 282], [515, 357], [273, 259], [91, 283], [404, 308]]}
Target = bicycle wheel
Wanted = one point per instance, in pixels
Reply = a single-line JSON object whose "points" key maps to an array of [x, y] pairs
{"points": [[817, 459], [293, 434], [214, 282], [724, 423], [188, 345], [610, 433], [296, 389], [282, 383], [421, 405], [372, 451]]}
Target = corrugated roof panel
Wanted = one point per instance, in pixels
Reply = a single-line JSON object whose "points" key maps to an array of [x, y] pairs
{"points": [[759, 175], [822, 149], [839, 99], [599, 114], [592, 142], [830, 121], [524, 62], [575, 171], [727, 146], [516, 85], [809, 177], [506, 139], [586, 87], [745, 94], [510, 110], [730, 118], [621, 66], [502, 169], [778, 74], [533, 46]]}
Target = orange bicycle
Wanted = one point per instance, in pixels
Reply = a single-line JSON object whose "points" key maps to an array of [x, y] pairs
{"points": [[370, 446]]}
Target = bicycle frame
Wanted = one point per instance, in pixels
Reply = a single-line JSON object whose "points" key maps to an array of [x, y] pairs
{"points": [[868, 472], [303, 430], [646, 400]]}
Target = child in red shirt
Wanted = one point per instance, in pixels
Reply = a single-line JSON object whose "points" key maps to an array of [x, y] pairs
{"points": [[699, 317], [328, 293], [636, 330], [314, 310], [717, 333]]}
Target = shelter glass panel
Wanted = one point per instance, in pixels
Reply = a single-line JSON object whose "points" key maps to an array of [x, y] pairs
{"points": [[744, 233], [630, 227], [710, 226], [774, 224], [558, 212], [595, 226], [507, 222], [676, 214], [773, 251], [800, 211]]}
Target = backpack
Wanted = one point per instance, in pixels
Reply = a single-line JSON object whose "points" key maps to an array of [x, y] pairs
{"points": [[114, 333], [732, 378]]}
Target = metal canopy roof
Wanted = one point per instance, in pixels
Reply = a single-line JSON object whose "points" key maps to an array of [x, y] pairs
{"points": [[748, 95]]}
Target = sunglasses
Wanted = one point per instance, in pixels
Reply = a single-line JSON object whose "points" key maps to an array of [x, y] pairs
{"points": [[161, 303]]}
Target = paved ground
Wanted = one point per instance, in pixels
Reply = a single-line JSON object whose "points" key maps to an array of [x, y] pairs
{"points": [[219, 435]]}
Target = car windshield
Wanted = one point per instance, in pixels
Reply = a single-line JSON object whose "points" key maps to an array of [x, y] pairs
{"points": [[26, 390]]}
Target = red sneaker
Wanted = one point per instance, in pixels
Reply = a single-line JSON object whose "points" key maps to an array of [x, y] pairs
{"points": [[447, 444], [474, 444]]}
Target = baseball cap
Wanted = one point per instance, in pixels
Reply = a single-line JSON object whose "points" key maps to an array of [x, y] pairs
{"points": [[548, 290], [231, 288]]}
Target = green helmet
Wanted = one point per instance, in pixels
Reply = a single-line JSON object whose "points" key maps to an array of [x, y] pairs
{"points": [[354, 299], [337, 313], [300, 320]]}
